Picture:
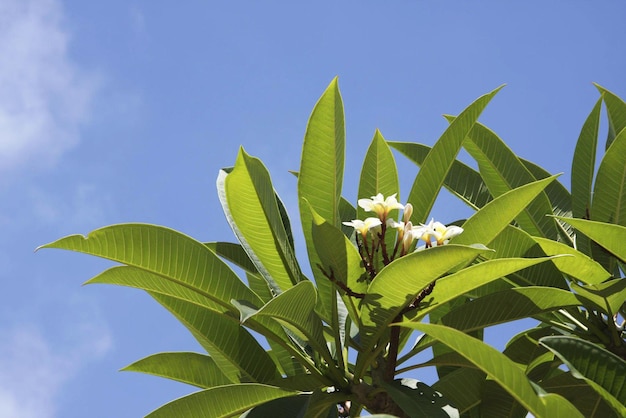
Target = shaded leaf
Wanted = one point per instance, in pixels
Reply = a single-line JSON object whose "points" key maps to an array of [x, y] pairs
{"points": [[603, 370], [500, 369]]}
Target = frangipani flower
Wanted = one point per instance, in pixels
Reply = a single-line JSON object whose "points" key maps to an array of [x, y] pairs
{"points": [[441, 233], [380, 205], [364, 226]]}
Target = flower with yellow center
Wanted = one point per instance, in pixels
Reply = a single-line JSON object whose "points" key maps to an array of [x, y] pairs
{"points": [[364, 226], [380, 205], [441, 233]]}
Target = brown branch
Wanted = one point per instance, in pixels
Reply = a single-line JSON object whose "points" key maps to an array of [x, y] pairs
{"points": [[339, 284]]}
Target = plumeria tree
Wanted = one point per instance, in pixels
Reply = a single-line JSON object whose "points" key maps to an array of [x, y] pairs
{"points": [[387, 283]]}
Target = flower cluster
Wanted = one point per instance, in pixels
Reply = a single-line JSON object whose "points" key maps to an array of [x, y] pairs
{"points": [[372, 230]]}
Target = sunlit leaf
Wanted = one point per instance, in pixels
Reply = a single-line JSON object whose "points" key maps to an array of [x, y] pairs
{"points": [[191, 368], [164, 252], [578, 266], [250, 201], [611, 237], [396, 286], [321, 176], [221, 401], [583, 167]]}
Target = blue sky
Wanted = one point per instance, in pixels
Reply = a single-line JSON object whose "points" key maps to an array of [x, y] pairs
{"points": [[124, 111]]}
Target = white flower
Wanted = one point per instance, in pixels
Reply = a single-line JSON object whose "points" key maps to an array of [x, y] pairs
{"points": [[364, 226], [391, 223], [441, 233], [380, 205]]}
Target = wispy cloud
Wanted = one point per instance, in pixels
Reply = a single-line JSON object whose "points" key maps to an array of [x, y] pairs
{"points": [[44, 95], [33, 369]]}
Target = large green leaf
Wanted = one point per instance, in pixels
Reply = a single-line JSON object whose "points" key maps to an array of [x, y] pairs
{"points": [[463, 387], [254, 215], [583, 167], [141, 279], [378, 174], [464, 281], [488, 222], [601, 369], [191, 368], [578, 266], [508, 305], [461, 180], [439, 160], [611, 237], [589, 402], [167, 253], [500, 369], [396, 286], [221, 401], [321, 176], [502, 171], [616, 112], [235, 351], [609, 192]]}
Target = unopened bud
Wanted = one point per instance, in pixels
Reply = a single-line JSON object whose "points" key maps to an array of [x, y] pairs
{"points": [[408, 211]]}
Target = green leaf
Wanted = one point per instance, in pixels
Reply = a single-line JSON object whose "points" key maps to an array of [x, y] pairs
{"points": [[508, 305], [500, 369], [601, 369], [560, 199], [221, 401], [294, 308], [417, 399], [488, 222], [235, 351], [616, 112], [579, 266], [339, 257], [461, 180], [463, 387], [503, 171], [608, 296], [379, 173], [254, 215], [583, 166], [320, 177], [464, 281], [292, 406], [589, 402], [611, 237], [164, 252], [140, 279], [191, 368], [397, 284], [234, 253], [609, 192], [439, 160]]}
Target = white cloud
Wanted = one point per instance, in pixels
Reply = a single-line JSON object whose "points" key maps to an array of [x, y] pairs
{"points": [[44, 96], [34, 369]]}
